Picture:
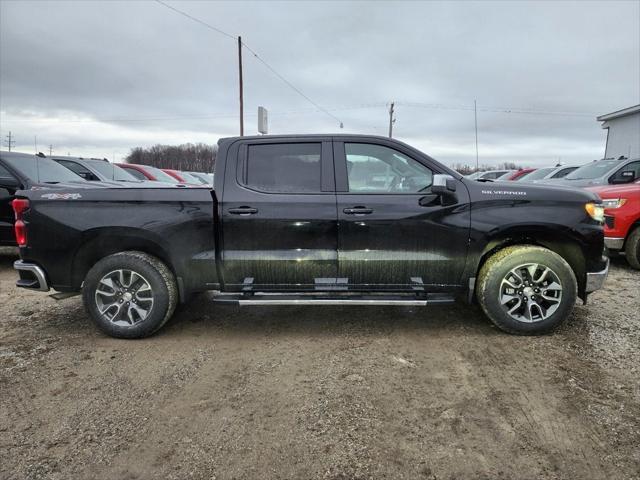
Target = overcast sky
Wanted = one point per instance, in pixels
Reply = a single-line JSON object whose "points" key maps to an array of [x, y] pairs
{"points": [[98, 78]]}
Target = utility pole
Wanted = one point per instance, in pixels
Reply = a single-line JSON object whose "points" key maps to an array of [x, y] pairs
{"points": [[475, 116], [9, 141], [241, 91], [50, 149], [35, 143], [392, 119]]}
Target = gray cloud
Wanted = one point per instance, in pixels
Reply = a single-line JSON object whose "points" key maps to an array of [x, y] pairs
{"points": [[97, 78]]}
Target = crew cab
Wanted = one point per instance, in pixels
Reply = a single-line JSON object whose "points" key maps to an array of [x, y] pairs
{"points": [[317, 220], [622, 219]]}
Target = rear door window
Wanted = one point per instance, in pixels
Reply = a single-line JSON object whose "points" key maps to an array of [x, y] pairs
{"points": [[283, 168], [79, 169]]}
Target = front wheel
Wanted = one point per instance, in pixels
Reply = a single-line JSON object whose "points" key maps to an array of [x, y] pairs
{"points": [[130, 294], [526, 290]]}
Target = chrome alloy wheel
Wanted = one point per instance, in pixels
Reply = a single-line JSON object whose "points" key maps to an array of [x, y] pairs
{"points": [[530, 293], [124, 297]]}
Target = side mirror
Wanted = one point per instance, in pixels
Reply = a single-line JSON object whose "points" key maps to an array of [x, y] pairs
{"points": [[443, 184], [626, 176], [9, 183]]}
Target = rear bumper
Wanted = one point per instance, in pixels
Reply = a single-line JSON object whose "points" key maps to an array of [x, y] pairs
{"points": [[32, 276], [595, 280], [613, 243]]}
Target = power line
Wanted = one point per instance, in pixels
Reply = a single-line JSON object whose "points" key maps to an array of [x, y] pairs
{"points": [[293, 87], [195, 117], [197, 20], [258, 57], [528, 111]]}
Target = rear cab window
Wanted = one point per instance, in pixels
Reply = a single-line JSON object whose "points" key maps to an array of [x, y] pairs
{"points": [[282, 167]]}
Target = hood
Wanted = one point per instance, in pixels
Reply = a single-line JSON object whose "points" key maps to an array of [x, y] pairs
{"points": [[578, 183], [480, 191], [622, 189]]}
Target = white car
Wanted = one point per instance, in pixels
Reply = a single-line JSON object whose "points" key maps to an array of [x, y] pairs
{"points": [[548, 173]]}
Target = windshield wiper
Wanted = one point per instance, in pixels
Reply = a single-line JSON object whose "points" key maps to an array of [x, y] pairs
{"points": [[484, 179], [51, 183]]}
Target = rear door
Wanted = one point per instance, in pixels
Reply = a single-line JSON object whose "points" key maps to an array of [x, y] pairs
{"points": [[279, 220], [393, 233]]}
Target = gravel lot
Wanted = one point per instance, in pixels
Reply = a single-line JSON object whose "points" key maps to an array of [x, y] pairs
{"points": [[319, 392]]}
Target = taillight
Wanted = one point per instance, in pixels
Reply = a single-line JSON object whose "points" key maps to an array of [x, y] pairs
{"points": [[20, 205]]}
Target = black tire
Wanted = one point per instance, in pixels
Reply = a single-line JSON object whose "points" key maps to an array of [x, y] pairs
{"points": [[498, 266], [632, 249], [149, 269]]}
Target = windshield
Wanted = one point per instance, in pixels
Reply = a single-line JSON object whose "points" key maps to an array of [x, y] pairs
{"points": [[190, 178], [43, 170], [111, 171], [202, 177], [537, 174], [592, 170], [160, 175]]}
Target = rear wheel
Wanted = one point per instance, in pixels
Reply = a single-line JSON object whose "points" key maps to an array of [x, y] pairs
{"points": [[632, 249], [130, 294], [526, 289]]}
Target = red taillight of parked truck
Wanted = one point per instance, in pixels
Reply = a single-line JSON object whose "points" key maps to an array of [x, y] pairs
{"points": [[20, 205]]}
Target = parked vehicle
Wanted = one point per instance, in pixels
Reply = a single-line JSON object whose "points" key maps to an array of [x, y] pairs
{"points": [[96, 169], [492, 174], [20, 171], [183, 177], [147, 172], [205, 178], [318, 219], [519, 174], [548, 173], [601, 172], [622, 219]]}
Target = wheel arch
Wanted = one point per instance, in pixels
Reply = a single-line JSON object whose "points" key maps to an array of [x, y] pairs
{"points": [[102, 242], [559, 242]]}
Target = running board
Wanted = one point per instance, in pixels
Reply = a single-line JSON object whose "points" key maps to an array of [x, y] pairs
{"points": [[314, 299]]}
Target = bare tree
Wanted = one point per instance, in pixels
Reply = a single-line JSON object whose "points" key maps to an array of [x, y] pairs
{"points": [[189, 157]]}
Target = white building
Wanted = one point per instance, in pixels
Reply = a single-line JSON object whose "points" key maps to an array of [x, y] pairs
{"points": [[623, 132]]}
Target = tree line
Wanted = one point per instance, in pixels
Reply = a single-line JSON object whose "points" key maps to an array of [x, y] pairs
{"points": [[190, 157], [466, 169]]}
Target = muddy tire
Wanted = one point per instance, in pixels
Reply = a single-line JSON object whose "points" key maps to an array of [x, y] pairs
{"points": [[526, 289], [130, 294], [632, 248]]}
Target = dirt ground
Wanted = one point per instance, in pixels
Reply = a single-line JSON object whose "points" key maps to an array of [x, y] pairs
{"points": [[320, 392]]}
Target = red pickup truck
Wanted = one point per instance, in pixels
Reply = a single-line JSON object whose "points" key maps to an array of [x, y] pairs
{"points": [[622, 219]]}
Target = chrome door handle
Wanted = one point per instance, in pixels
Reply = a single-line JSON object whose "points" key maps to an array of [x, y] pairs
{"points": [[358, 211], [243, 211]]}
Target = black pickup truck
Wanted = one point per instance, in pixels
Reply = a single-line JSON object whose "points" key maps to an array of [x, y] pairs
{"points": [[318, 220]]}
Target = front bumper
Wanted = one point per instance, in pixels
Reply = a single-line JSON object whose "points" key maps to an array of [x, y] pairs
{"points": [[32, 276], [595, 280], [614, 243]]}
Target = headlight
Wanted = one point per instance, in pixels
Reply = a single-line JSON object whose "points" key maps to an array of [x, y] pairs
{"points": [[613, 202], [595, 211]]}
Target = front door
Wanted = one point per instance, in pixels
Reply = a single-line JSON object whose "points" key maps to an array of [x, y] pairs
{"points": [[393, 233], [279, 218]]}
